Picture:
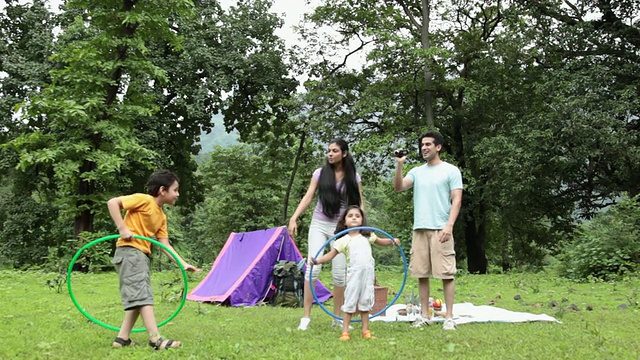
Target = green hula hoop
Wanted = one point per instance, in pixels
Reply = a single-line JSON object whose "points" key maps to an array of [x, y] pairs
{"points": [[111, 237]]}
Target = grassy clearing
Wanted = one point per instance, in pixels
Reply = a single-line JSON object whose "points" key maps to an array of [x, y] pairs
{"points": [[37, 322]]}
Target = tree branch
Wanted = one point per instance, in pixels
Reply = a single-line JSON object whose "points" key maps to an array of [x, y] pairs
{"points": [[407, 12], [346, 57]]}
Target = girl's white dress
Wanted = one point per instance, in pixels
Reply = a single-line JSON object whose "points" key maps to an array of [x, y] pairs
{"points": [[358, 294]]}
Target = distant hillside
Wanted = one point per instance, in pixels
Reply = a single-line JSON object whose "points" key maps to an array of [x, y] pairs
{"points": [[217, 136]]}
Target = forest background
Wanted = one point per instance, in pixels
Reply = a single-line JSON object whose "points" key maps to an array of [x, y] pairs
{"points": [[538, 102]]}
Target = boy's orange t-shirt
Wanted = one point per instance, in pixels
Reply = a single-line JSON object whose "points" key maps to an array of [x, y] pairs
{"points": [[143, 217]]}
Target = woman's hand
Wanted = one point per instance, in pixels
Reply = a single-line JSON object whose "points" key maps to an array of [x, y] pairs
{"points": [[293, 228]]}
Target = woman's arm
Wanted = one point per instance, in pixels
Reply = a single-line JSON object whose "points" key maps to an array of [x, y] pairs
{"points": [[304, 204]]}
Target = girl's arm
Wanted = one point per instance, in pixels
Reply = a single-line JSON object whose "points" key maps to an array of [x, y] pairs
{"points": [[361, 197], [387, 241], [325, 258]]}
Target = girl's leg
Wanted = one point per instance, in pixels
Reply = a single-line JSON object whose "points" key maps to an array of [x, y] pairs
{"points": [[345, 323], [364, 316]]}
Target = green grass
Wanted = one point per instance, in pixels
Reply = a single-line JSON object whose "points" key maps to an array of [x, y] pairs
{"points": [[37, 322]]}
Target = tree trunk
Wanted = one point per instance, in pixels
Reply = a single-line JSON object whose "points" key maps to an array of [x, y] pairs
{"points": [[296, 162], [428, 76], [84, 219], [475, 236]]}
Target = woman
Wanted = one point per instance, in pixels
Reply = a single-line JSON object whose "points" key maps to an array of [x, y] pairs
{"points": [[338, 186]]}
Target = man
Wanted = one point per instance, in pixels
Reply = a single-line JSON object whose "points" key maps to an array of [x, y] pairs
{"points": [[437, 196]]}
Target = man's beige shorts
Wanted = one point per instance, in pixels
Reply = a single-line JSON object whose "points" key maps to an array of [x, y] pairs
{"points": [[430, 257]]}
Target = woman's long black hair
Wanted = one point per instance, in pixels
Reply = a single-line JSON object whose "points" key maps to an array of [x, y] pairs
{"points": [[330, 197]]}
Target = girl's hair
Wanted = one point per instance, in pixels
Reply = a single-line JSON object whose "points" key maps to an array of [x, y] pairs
{"points": [[331, 197], [342, 222], [160, 178]]}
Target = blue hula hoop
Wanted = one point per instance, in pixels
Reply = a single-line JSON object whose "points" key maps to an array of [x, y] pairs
{"points": [[310, 268]]}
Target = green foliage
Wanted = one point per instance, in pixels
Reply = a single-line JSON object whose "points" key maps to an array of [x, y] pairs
{"points": [[25, 229], [607, 247], [244, 188], [96, 258]]}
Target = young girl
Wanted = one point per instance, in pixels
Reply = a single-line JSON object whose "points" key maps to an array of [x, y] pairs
{"points": [[356, 246], [338, 186]]}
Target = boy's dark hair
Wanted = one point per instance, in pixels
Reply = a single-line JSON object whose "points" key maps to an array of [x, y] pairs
{"points": [[342, 226], [160, 178], [332, 198], [438, 139]]}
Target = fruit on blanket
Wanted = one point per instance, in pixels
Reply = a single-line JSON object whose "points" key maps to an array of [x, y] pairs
{"points": [[436, 304]]}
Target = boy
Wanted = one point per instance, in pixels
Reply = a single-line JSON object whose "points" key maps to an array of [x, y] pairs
{"points": [[144, 216]]}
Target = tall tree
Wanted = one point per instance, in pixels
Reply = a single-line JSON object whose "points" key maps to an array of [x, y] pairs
{"points": [[136, 84]]}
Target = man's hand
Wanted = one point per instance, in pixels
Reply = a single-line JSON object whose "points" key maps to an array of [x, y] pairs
{"points": [[400, 160], [445, 234]]}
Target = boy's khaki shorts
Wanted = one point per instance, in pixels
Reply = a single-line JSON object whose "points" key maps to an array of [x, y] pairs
{"points": [[430, 257], [132, 266]]}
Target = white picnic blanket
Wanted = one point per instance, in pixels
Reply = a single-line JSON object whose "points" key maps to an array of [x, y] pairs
{"points": [[465, 313]]}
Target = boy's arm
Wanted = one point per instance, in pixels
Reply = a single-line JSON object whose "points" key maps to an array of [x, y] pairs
{"points": [[325, 258], [115, 206], [188, 267]]}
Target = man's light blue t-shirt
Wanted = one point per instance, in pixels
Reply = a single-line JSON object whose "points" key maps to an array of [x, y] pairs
{"points": [[432, 187]]}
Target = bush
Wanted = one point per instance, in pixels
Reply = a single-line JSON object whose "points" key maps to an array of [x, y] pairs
{"points": [[25, 230], [607, 247]]}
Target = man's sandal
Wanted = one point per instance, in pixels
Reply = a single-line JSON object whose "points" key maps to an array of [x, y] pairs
{"points": [[168, 344], [123, 343]]}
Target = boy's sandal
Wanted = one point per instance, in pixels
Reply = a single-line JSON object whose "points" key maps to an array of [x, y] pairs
{"points": [[163, 344], [123, 343], [345, 336], [367, 335]]}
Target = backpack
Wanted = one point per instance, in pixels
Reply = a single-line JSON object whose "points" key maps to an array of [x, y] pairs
{"points": [[288, 280]]}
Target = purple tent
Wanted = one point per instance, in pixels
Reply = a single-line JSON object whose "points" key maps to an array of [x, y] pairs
{"points": [[242, 275]]}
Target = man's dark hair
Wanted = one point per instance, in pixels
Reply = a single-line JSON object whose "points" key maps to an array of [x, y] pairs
{"points": [[159, 179], [438, 139]]}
